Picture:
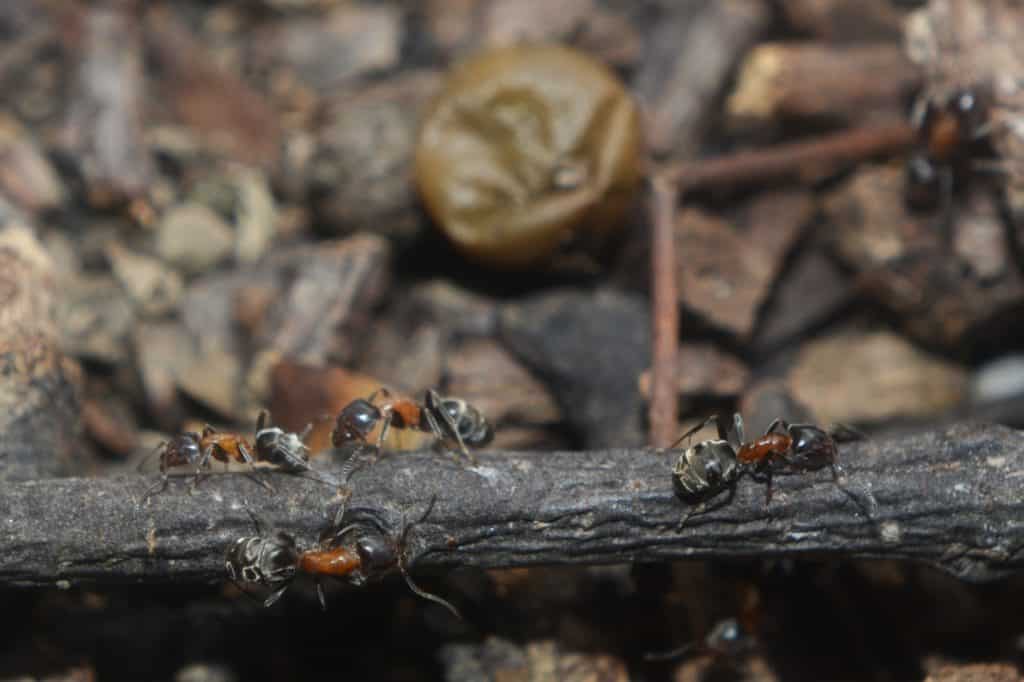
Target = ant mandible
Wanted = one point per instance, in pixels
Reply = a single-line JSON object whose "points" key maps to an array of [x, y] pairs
{"points": [[450, 420], [198, 448]]}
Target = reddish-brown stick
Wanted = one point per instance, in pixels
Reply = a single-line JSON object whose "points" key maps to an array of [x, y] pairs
{"points": [[664, 405]]}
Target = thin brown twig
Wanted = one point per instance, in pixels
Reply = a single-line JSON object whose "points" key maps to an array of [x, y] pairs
{"points": [[664, 404], [797, 161]]}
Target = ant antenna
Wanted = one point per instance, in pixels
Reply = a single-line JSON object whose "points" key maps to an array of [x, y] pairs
{"points": [[149, 456], [670, 654]]}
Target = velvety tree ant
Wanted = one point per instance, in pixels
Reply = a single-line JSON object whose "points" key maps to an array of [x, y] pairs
{"points": [[950, 135], [792, 449], [450, 420], [198, 448], [356, 552], [268, 562], [708, 468]]}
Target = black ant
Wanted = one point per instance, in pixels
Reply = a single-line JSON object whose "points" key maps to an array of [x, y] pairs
{"points": [[450, 420], [951, 134], [710, 467], [356, 552]]}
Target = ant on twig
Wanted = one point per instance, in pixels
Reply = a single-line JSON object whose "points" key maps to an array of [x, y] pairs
{"points": [[711, 467], [284, 450], [450, 420], [356, 552], [198, 449]]}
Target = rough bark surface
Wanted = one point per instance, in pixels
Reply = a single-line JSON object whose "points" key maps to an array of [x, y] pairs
{"points": [[952, 498]]}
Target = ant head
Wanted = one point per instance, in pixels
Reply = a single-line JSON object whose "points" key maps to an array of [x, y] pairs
{"points": [[183, 448], [355, 421], [376, 553]]}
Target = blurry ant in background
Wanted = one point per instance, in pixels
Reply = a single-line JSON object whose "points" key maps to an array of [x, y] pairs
{"points": [[450, 420], [952, 135], [710, 467], [727, 639], [198, 448], [356, 552]]}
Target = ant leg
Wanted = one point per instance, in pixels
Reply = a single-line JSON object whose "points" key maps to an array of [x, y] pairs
{"points": [[248, 459], [737, 429], [418, 591], [705, 508], [776, 425], [844, 433], [442, 436], [695, 429], [385, 393], [247, 593], [306, 431], [274, 596], [866, 509], [262, 420], [320, 594], [204, 461], [671, 654], [695, 510], [157, 487], [403, 567], [385, 426], [145, 460]]}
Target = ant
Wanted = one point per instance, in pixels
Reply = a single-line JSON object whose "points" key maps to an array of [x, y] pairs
{"points": [[950, 135], [711, 467], [451, 420], [356, 552], [729, 638], [198, 448], [705, 470], [270, 562]]}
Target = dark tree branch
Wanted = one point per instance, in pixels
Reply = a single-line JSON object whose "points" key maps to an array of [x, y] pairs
{"points": [[953, 498]]}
